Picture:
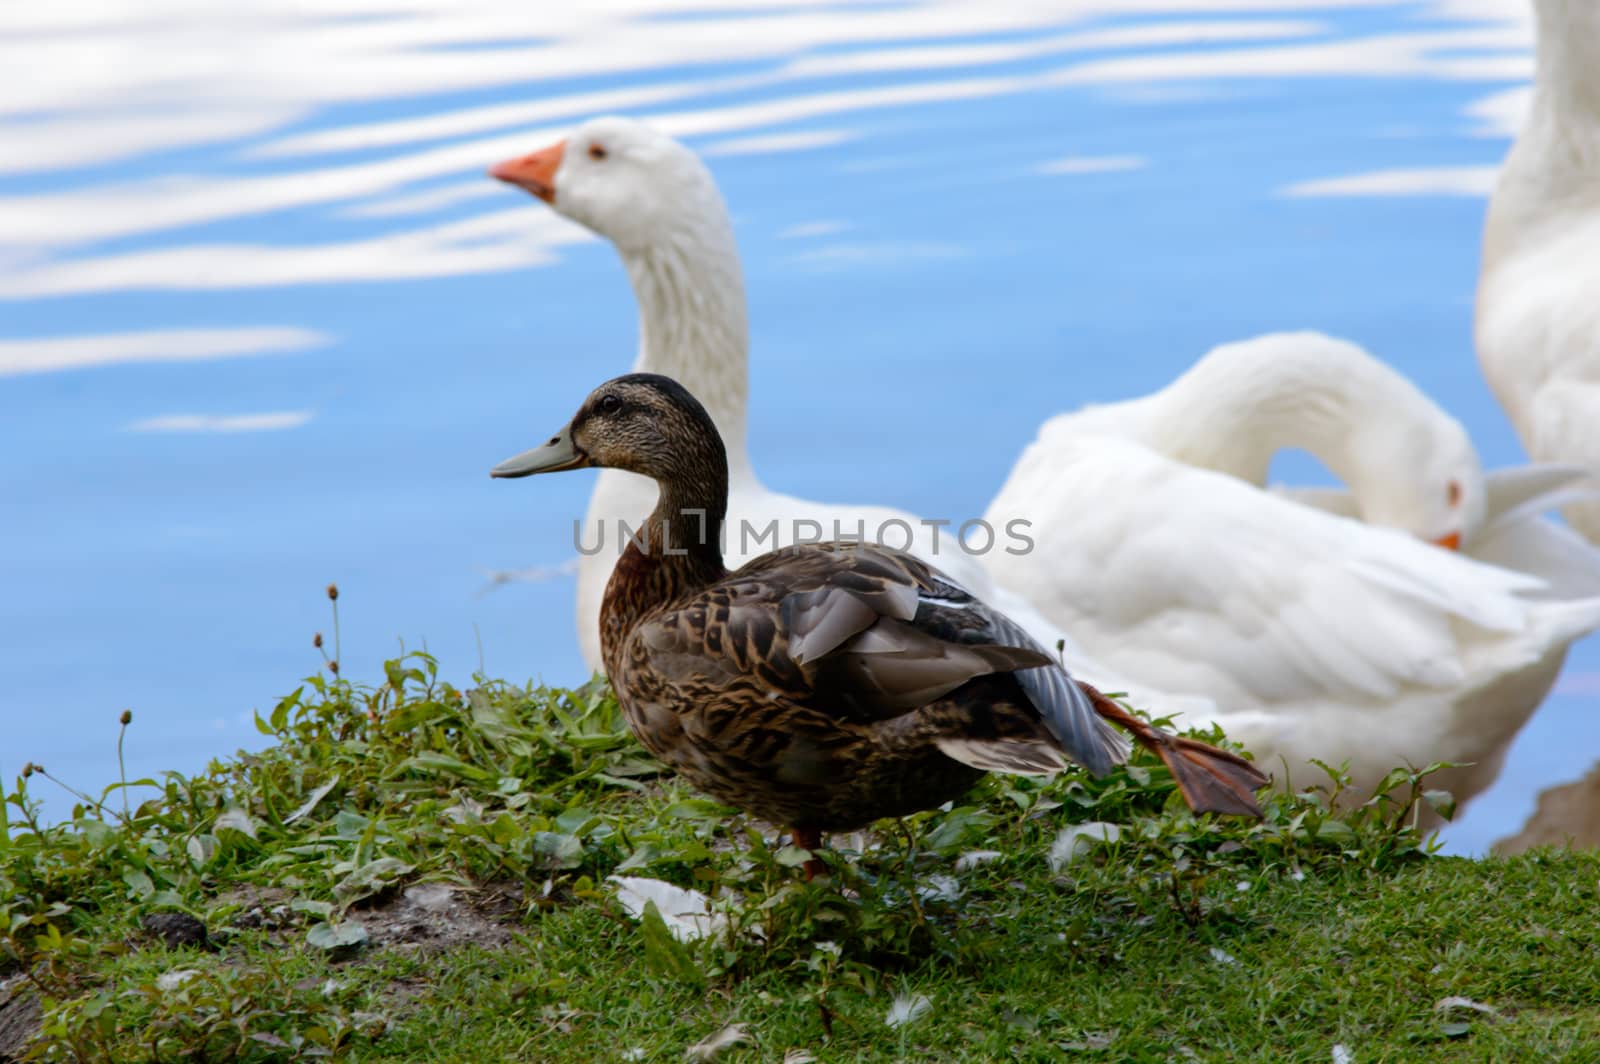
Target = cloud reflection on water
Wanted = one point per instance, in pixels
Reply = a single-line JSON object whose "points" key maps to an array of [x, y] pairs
{"points": [[262, 69]]}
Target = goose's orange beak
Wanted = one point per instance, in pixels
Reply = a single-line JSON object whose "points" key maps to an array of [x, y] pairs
{"points": [[535, 173], [1450, 542]]}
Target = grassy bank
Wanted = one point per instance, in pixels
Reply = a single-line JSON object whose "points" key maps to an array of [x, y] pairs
{"points": [[418, 872]]}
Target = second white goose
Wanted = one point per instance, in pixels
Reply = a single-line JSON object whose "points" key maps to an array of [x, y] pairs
{"points": [[1321, 636]]}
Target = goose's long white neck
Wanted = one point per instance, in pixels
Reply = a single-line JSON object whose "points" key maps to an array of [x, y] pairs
{"points": [[1244, 402], [1554, 167], [692, 324], [1568, 74]]}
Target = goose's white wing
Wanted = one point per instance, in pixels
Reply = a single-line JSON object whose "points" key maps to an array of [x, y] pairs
{"points": [[1516, 492], [1567, 563], [1195, 580]]}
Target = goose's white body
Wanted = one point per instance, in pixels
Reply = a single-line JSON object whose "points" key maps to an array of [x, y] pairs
{"points": [[1538, 309], [1319, 635], [660, 207]]}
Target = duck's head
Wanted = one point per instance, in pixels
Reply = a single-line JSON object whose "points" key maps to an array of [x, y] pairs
{"points": [[1423, 476], [644, 423], [620, 178]]}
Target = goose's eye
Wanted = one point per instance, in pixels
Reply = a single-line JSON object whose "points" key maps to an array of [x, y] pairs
{"points": [[610, 404], [1454, 492], [597, 151]]}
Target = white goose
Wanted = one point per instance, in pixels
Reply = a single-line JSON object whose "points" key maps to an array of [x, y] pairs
{"points": [[658, 204], [1538, 312], [1158, 548]]}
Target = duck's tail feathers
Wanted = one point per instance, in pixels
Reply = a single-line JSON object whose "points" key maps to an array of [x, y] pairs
{"points": [[1062, 705], [1211, 780]]}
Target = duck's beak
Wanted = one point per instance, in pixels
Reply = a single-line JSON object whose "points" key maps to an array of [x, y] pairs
{"points": [[560, 453], [1450, 542], [536, 173]]}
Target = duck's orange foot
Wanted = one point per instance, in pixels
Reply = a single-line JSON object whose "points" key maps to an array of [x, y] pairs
{"points": [[1211, 780]]}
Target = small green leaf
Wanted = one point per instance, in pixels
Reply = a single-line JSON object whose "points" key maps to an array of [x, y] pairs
{"points": [[434, 763], [616, 780], [643, 856], [1441, 802], [663, 953], [563, 851], [1456, 1029], [416, 714], [578, 821], [280, 712], [98, 832], [346, 935], [792, 856], [139, 883], [961, 829], [1395, 778], [1335, 831], [697, 809], [371, 878], [348, 825], [323, 909], [495, 722]]}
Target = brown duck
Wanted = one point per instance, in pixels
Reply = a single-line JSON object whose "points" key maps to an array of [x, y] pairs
{"points": [[825, 685]]}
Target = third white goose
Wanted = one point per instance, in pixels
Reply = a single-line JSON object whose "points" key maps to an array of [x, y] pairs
{"points": [[1321, 636], [1538, 309]]}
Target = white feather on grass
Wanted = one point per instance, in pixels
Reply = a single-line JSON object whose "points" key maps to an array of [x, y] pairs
{"points": [[1077, 840], [687, 913], [973, 858], [940, 888], [1452, 1004], [906, 1009], [712, 1044], [174, 979]]}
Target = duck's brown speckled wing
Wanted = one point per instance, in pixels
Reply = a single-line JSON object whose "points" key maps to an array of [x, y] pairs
{"points": [[872, 645]]}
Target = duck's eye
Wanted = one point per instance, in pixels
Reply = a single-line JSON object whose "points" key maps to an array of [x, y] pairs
{"points": [[610, 404], [1453, 492], [597, 151]]}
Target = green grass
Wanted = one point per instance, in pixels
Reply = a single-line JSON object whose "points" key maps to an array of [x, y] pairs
{"points": [[1185, 939]]}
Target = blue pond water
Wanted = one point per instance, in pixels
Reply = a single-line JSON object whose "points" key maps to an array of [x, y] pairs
{"points": [[955, 222]]}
